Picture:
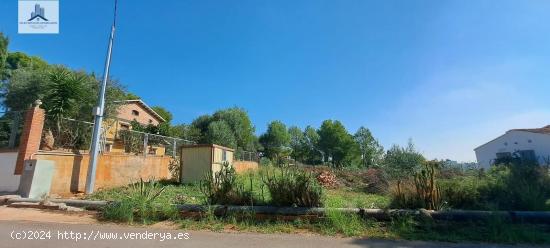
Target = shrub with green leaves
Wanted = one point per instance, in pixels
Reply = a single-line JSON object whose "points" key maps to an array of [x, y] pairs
{"points": [[515, 185], [139, 204], [223, 187], [293, 187]]}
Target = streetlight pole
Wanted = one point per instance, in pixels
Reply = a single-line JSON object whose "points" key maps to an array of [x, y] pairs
{"points": [[98, 113]]}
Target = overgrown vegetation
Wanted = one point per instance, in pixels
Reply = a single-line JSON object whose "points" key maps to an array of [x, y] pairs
{"points": [[293, 187], [512, 185], [139, 204], [351, 192], [222, 187]]}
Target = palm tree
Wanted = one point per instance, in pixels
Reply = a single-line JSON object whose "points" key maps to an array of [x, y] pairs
{"points": [[64, 90]]}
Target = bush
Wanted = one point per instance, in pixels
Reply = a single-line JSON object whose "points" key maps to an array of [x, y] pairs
{"points": [[265, 162], [517, 186], [462, 192], [293, 187], [223, 188], [139, 204]]}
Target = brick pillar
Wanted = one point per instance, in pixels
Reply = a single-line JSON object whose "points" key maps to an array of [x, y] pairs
{"points": [[31, 136]]}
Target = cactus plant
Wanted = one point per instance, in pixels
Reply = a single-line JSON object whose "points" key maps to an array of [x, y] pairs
{"points": [[427, 190]]}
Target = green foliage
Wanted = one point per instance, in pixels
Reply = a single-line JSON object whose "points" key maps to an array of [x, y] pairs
{"points": [[23, 88], [28, 78], [313, 154], [223, 188], [463, 192], [297, 143], [349, 225], [372, 152], [265, 162], [139, 204], [513, 186], [519, 185], [18, 60], [401, 162], [240, 124], [337, 144], [122, 211], [293, 187], [237, 132], [219, 132], [64, 92], [4, 41], [131, 96], [164, 113], [186, 132], [276, 141]]}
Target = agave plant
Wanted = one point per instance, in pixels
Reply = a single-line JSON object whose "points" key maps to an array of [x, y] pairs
{"points": [[146, 191]]}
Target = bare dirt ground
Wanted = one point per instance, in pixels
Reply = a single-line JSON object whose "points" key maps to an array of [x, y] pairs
{"points": [[29, 214]]}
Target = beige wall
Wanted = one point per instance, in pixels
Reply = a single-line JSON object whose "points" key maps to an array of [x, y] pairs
{"points": [[125, 112], [242, 166], [112, 170], [195, 163]]}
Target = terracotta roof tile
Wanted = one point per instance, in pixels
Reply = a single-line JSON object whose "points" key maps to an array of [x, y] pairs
{"points": [[543, 130]]}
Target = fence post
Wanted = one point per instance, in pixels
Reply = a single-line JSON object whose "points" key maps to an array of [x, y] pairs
{"points": [[145, 140], [13, 131], [174, 148], [31, 136]]}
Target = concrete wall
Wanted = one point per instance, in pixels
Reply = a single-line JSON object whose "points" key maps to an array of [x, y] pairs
{"points": [[242, 166], [513, 141], [112, 170], [8, 181]]}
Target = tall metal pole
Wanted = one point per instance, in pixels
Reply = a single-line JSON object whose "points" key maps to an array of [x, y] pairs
{"points": [[98, 112]]}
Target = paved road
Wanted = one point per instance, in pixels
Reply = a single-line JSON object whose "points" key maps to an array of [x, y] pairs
{"points": [[11, 235]]}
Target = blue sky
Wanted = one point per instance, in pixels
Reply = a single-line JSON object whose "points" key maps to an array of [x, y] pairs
{"points": [[451, 75]]}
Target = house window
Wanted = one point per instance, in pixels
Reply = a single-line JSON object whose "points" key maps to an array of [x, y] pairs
{"points": [[124, 126], [135, 113], [224, 155], [527, 155], [501, 155]]}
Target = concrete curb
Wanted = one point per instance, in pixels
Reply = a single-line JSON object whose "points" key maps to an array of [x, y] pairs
{"points": [[542, 217]]}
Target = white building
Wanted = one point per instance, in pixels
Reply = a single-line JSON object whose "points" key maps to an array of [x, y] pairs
{"points": [[533, 143]]}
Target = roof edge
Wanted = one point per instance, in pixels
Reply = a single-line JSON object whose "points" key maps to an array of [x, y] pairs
{"points": [[144, 105]]}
